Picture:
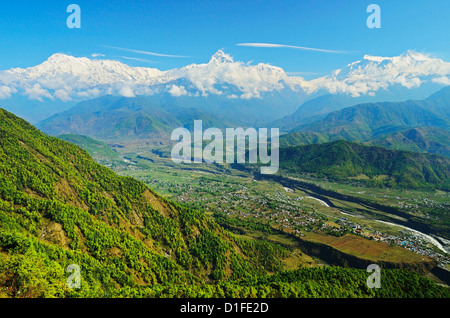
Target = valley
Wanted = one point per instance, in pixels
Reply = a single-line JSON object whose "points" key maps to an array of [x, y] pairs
{"points": [[209, 234], [225, 157], [357, 185], [296, 211]]}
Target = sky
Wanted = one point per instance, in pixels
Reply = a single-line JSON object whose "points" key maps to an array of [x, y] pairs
{"points": [[191, 31]]}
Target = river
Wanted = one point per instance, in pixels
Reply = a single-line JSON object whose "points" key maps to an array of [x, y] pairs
{"points": [[427, 238]]}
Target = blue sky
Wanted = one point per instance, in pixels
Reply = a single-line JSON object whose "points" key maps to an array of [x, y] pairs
{"points": [[30, 31]]}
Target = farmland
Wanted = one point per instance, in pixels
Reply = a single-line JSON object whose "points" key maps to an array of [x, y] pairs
{"points": [[296, 212]]}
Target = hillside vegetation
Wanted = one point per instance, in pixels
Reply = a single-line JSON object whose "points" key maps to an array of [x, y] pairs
{"points": [[419, 139], [59, 207], [373, 165]]}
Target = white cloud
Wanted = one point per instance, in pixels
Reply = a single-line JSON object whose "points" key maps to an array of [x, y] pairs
{"points": [[177, 91], [271, 45], [63, 95], [6, 92], [92, 93], [126, 91], [442, 80], [37, 92]]}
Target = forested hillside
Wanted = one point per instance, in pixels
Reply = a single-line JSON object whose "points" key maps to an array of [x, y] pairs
{"points": [[370, 164], [59, 207], [419, 139]]}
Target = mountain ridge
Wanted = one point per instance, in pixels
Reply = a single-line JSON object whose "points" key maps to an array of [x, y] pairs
{"points": [[112, 117], [372, 165], [370, 121], [418, 139]]}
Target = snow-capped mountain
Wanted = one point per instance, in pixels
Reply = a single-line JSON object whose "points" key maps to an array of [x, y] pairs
{"points": [[249, 81], [221, 82], [375, 73], [66, 77]]}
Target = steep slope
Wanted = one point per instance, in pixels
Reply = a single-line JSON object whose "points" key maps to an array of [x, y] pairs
{"points": [[373, 165], [59, 207], [419, 139], [102, 152]]}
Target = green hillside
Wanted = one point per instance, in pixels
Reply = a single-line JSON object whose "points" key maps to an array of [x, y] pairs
{"points": [[372, 165], [419, 139], [365, 122], [58, 207], [298, 138], [421, 125], [94, 147]]}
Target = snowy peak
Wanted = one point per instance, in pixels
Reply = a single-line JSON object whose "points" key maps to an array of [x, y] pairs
{"points": [[409, 55], [374, 73], [378, 59], [62, 63], [415, 56], [64, 77], [220, 57]]}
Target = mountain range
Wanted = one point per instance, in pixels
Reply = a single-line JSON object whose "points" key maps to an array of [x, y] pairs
{"points": [[114, 117], [419, 139], [254, 94], [424, 124], [415, 125]]}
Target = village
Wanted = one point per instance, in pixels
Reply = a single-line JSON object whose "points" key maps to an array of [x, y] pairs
{"points": [[285, 210]]}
